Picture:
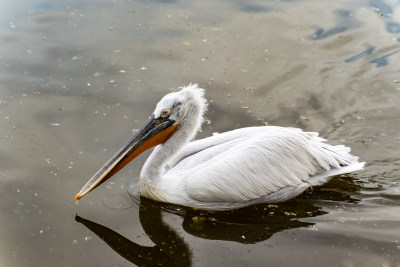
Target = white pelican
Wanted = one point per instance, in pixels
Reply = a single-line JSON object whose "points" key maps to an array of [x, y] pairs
{"points": [[230, 170]]}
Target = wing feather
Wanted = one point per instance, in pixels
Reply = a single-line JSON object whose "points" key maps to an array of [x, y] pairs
{"points": [[251, 163]]}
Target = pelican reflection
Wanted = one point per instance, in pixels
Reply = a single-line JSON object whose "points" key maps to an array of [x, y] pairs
{"points": [[248, 225]]}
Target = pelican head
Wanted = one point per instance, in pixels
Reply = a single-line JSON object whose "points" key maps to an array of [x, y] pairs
{"points": [[178, 110]]}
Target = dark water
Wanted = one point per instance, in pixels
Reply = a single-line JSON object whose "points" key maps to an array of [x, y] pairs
{"points": [[77, 78]]}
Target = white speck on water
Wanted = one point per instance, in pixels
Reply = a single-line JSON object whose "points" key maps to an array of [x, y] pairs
{"points": [[12, 25], [313, 228], [41, 231], [143, 68], [122, 71], [111, 81], [88, 84], [54, 124]]}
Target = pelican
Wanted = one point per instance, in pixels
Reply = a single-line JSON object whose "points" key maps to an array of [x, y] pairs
{"points": [[265, 164]]}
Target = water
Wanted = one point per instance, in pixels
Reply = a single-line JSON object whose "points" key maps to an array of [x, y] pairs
{"points": [[79, 78]]}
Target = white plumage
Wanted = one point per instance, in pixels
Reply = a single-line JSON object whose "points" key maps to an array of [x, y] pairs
{"points": [[238, 168]]}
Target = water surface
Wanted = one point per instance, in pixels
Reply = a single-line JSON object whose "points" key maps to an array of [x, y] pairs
{"points": [[79, 78]]}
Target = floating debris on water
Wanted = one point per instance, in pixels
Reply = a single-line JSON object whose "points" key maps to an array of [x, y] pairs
{"points": [[197, 219], [305, 118]]}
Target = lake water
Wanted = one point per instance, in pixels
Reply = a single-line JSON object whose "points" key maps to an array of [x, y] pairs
{"points": [[78, 78]]}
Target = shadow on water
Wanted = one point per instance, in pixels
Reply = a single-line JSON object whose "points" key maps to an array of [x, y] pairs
{"points": [[247, 225]]}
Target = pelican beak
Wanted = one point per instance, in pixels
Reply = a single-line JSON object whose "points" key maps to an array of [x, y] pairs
{"points": [[155, 132]]}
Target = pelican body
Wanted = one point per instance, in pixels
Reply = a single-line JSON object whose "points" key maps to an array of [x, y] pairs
{"points": [[246, 166]]}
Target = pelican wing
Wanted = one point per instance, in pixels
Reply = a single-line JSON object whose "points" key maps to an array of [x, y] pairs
{"points": [[250, 163]]}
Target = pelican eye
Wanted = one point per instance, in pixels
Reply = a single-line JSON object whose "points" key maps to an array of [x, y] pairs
{"points": [[165, 113]]}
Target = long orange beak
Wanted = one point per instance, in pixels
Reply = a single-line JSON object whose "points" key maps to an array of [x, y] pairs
{"points": [[155, 132]]}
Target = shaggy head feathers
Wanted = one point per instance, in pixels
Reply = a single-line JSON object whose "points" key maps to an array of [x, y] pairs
{"points": [[187, 107]]}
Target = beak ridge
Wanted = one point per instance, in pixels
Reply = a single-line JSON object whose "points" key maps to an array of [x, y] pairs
{"points": [[155, 132]]}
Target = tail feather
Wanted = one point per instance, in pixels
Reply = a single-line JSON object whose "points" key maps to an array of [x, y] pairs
{"points": [[334, 160], [324, 177]]}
